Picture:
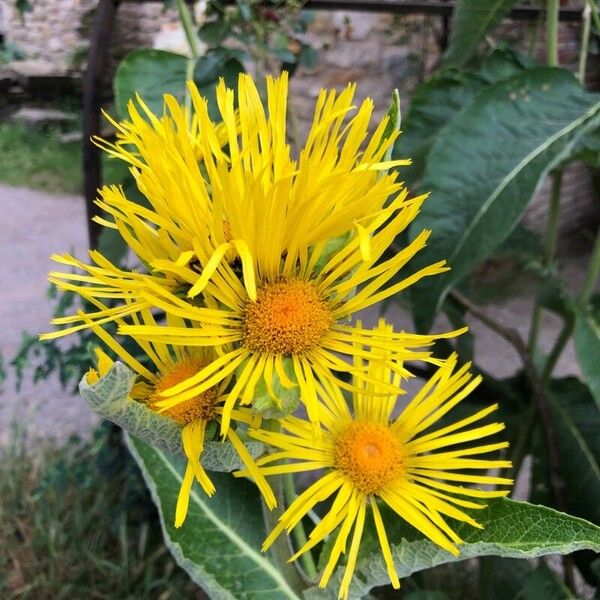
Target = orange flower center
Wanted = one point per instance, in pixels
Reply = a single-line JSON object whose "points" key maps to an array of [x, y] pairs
{"points": [[201, 406], [288, 317], [370, 455]]}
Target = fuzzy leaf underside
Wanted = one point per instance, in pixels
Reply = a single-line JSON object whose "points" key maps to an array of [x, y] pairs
{"points": [[511, 529], [109, 397]]}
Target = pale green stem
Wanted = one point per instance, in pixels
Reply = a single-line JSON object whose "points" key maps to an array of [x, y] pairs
{"points": [[308, 563], [193, 43], [592, 274], [188, 28], [281, 548], [595, 13], [585, 40], [549, 250], [591, 277], [552, 9]]}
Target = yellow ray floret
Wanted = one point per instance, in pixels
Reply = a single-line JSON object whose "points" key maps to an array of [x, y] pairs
{"points": [[228, 189], [300, 317], [173, 365], [368, 458]]}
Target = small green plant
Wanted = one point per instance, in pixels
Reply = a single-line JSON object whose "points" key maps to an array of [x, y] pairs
{"points": [[39, 160], [78, 522]]}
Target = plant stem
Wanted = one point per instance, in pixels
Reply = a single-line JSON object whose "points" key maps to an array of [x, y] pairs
{"points": [[307, 560], [521, 446], [542, 407], [592, 273], [585, 40], [595, 13], [552, 9], [281, 548], [559, 346], [188, 27], [549, 251]]}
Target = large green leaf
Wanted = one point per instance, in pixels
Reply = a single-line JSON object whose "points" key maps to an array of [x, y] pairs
{"points": [[433, 106], [437, 101], [485, 167], [151, 73], [219, 543], [577, 423], [511, 529], [471, 21], [587, 347], [545, 583]]}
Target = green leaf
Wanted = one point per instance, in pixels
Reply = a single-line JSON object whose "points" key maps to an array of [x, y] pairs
{"points": [[434, 105], [213, 33], [545, 583], [436, 102], [394, 114], [587, 347], [109, 397], [219, 543], [471, 21], [151, 73], [511, 529], [485, 167], [217, 63], [577, 424]]}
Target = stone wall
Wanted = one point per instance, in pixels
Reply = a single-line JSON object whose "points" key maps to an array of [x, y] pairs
{"points": [[380, 52]]}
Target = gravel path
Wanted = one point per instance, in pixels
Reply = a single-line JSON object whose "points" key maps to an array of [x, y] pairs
{"points": [[33, 225]]}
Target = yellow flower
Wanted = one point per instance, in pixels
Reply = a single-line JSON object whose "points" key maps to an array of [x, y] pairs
{"points": [[267, 257], [297, 327], [367, 457], [230, 190], [174, 365]]}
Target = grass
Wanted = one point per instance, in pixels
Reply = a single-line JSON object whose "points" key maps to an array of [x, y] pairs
{"points": [[39, 160], [77, 522]]}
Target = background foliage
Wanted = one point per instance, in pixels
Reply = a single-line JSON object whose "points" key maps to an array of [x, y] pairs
{"points": [[484, 132]]}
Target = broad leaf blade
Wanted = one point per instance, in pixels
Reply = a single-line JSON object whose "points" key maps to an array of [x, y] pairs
{"points": [[150, 73], [545, 583], [219, 543], [577, 423], [512, 529], [485, 167], [587, 347], [471, 21]]}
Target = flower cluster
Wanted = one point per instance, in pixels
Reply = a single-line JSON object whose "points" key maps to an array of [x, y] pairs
{"points": [[251, 266]]}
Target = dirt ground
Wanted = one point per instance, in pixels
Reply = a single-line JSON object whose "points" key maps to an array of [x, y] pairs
{"points": [[33, 225]]}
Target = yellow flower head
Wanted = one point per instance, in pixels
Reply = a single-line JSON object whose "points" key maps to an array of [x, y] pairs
{"points": [[229, 190], [173, 365], [366, 457], [267, 257]]}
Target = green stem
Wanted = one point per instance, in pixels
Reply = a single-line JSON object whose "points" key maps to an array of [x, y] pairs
{"points": [[593, 271], [549, 251], [281, 549], [192, 39], [552, 231], [557, 349], [595, 13], [553, 7], [585, 40], [188, 27], [521, 446], [307, 560]]}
